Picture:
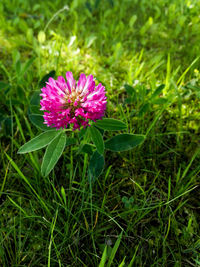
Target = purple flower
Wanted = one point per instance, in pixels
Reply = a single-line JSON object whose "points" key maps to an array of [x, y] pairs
{"points": [[66, 102]]}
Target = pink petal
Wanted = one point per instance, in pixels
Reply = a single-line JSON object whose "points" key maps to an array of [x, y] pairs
{"points": [[81, 83], [89, 83], [71, 83]]}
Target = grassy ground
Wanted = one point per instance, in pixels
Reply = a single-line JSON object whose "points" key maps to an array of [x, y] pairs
{"points": [[144, 208]]}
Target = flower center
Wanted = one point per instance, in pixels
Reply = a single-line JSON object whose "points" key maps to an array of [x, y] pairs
{"points": [[73, 100]]}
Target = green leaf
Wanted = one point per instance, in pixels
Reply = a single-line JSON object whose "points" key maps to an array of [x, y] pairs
{"points": [[70, 141], [129, 89], [42, 83], [38, 142], [97, 139], [159, 101], [8, 123], [41, 37], [4, 85], [158, 91], [18, 67], [53, 153], [146, 107], [123, 142], [35, 109], [27, 65], [96, 165], [38, 121], [35, 99], [111, 124], [86, 148], [14, 102], [132, 21], [193, 87], [82, 133]]}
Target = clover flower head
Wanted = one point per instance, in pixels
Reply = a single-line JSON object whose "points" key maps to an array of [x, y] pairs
{"points": [[66, 102]]}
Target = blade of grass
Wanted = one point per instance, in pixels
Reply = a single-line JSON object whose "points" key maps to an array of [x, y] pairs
{"points": [[17, 206], [132, 260], [103, 258], [27, 182], [51, 238], [186, 71], [114, 250]]}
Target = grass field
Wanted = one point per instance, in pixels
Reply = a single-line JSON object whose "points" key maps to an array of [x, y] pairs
{"points": [[144, 208]]}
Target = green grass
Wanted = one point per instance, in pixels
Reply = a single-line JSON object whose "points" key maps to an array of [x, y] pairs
{"points": [[143, 210]]}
